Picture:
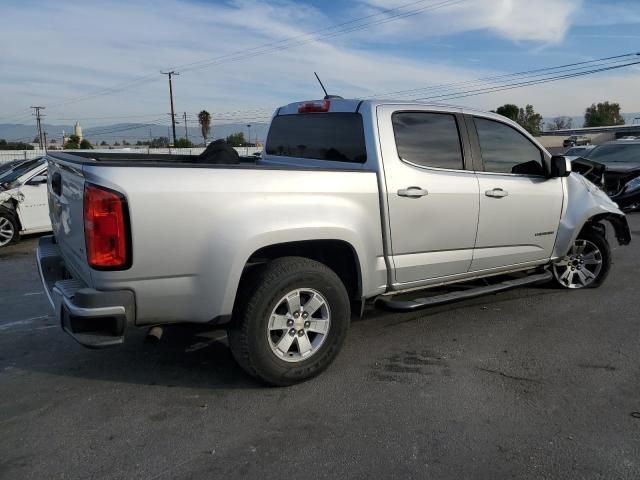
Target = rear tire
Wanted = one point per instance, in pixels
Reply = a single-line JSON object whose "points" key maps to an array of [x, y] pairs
{"points": [[9, 229], [587, 264], [291, 320]]}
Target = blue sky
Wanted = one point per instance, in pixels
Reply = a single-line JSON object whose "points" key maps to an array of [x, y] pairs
{"points": [[67, 54]]}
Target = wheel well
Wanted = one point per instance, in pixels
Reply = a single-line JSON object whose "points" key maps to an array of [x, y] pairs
{"points": [[618, 223], [338, 255], [12, 208]]}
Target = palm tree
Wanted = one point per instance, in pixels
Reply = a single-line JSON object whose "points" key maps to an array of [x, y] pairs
{"points": [[204, 118]]}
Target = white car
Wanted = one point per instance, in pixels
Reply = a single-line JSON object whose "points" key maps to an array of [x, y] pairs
{"points": [[23, 201]]}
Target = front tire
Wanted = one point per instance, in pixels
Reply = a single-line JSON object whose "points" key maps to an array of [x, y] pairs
{"points": [[587, 264], [291, 320], [9, 230]]}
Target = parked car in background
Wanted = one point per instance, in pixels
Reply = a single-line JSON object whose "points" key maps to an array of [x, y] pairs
{"points": [[7, 167], [23, 201], [575, 152], [351, 202], [576, 140], [616, 167]]}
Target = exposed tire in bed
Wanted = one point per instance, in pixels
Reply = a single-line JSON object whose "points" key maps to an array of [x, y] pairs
{"points": [[291, 319], [9, 229]]}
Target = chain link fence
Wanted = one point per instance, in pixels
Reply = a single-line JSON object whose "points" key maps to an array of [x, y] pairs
{"points": [[10, 155]]}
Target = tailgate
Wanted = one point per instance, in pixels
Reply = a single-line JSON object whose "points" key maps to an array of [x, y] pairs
{"points": [[66, 209]]}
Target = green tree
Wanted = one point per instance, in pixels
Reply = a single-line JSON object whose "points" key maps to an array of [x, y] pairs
{"points": [[103, 143], [530, 120], [160, 142], [86, 144], [73, 142], [509, 110], [236, 139], [560, 123], [603, 115], [4, 145], [183, 143], [204, 119]]}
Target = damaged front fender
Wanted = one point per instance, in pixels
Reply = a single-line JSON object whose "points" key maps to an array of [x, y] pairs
{"points": [[586, 206], [14, 194]]}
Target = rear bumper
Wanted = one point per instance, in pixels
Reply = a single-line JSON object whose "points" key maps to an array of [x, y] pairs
{"points": [[95, 319]]}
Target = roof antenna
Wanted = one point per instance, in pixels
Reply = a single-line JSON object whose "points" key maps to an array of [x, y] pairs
{"points": [[326, 95]]}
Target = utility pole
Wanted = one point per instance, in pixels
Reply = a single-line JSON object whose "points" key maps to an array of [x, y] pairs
{"points": [[186, 130], [173, 115], [248, 137], [38, 117]]}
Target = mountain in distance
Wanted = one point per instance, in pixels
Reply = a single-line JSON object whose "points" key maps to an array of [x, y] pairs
{"points": [[131, 132]]}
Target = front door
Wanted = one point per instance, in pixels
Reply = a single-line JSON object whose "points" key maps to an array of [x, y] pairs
{"points": [[520, 207], [34, 210], [432, 198]]}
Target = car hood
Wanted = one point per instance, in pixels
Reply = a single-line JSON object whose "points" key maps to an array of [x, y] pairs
{"points": [[622, 167]]}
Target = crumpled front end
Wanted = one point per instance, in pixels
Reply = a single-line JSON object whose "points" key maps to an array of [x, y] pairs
{"points": [[587, 205], [14, 194]]}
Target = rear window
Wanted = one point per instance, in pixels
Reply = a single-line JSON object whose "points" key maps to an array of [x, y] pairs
{"points": [[322, 136]]}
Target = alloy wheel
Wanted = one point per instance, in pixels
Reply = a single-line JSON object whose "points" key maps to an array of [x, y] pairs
{"points": [[580, 267], [298, 325], [6, 231]]}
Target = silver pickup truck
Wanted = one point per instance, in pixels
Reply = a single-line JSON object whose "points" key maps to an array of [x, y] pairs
{"points": [[389, 203]]}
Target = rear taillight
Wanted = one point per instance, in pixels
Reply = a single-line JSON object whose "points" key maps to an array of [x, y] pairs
{"points": [[311, 107], [106, 228]]}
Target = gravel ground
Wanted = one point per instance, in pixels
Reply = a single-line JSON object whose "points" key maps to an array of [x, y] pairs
{"points": [[531, 383]]}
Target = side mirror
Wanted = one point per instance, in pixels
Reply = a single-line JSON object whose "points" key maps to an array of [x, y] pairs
{"points": [[37, 180], [560, 166]]}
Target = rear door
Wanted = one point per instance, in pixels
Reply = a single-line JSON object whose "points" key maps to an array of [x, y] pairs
{"points": [[519, 206], [432, 192]]}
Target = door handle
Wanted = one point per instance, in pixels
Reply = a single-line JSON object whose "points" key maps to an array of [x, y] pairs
{"points": [[496, 193], [412, 192]]}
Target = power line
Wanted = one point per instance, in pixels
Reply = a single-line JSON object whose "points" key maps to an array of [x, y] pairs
{"points": [[584, 64], [241, 55], [285, 44], [499, 88]]}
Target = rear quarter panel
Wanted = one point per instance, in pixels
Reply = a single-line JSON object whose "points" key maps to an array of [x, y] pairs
{"points": [[193, 230]]}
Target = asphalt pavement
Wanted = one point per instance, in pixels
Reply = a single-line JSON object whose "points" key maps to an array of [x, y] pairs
{"points": [[532, 383]]}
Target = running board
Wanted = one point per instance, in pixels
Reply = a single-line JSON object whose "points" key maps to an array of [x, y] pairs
{"points": [[416, 303]]}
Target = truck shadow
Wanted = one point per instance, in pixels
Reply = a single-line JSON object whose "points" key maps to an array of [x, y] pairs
{"points": [[189, 356], [181, 359]]}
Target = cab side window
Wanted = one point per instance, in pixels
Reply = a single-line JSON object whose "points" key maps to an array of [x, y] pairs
{"points": [[428, 139], [506, 150]]}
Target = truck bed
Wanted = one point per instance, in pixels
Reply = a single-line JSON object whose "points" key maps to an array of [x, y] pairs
{"points": [[124, 159], [193, 227]]}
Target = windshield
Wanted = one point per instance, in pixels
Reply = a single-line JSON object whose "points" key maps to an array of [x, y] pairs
{"points": [[5, 167], [616, 153], [12, 175], [575, 151]]}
